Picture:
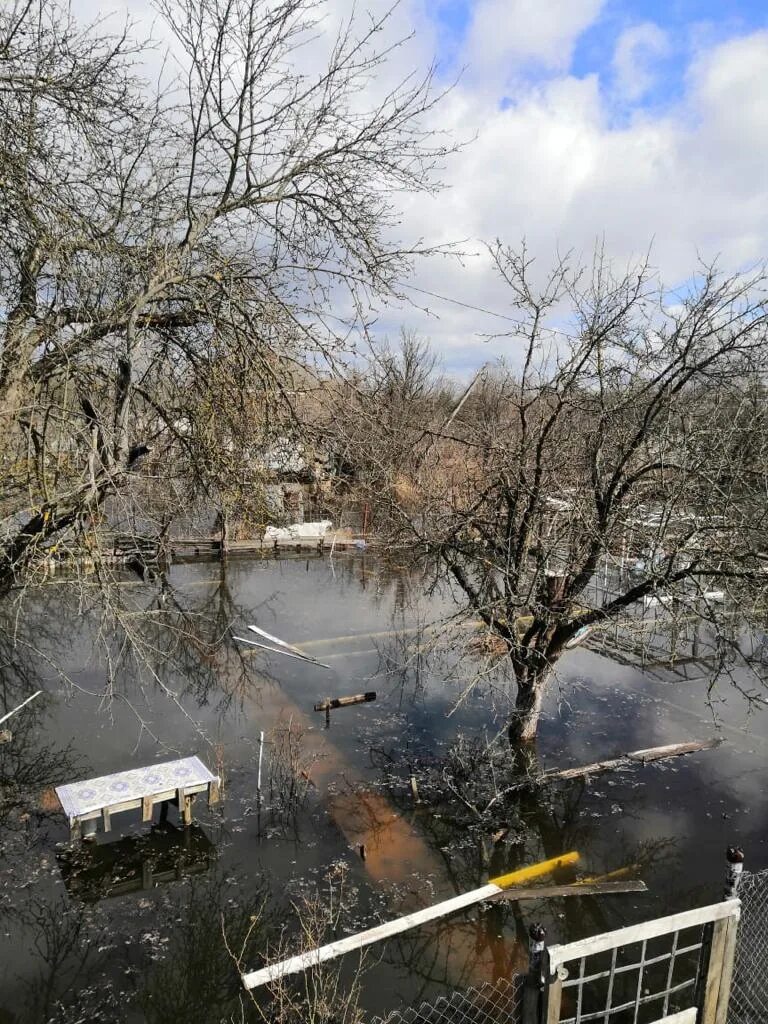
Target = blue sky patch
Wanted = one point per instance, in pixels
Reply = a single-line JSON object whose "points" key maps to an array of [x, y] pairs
{"points": [[689, 25]]}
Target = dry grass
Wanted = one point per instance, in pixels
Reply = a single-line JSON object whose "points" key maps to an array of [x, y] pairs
{"points": [[48, 800], [485, 643]]}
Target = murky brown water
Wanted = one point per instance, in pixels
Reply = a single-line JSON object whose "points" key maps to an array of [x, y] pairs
{"points": [[131, 930]]}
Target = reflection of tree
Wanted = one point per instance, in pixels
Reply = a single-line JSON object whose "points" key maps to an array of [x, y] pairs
{"points": [[28, 768], [144, 638], [25, 640], [68, 950], [478, 836], [198, 635], [182, 969], [194, 979], [404, 660]]}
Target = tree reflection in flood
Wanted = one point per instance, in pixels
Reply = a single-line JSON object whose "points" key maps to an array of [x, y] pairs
{"points": [[132, 934]]}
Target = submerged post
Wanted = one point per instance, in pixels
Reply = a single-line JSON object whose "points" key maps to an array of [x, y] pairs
{"points": [[258, 781], [534, 980], [735, 857], [261, 755]]}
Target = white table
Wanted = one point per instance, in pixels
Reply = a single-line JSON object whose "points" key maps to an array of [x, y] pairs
{"points": [[177, 781]]}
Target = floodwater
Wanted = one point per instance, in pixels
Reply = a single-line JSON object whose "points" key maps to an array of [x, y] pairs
{"points": [[144, 924]]}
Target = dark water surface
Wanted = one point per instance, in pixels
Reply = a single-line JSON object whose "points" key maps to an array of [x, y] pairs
{"points": [[132, 928]]}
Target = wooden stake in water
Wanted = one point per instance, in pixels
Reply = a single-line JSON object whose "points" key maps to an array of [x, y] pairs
{"points": [[258, 779]]}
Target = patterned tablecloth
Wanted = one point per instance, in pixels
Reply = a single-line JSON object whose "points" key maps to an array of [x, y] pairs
{"points": [[79, 798]]}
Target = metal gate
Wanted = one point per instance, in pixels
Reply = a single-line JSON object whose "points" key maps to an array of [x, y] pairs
{"points": [[674, 970]]}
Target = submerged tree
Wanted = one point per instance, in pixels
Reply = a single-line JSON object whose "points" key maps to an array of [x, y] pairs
{"points": [[150, 244], [623, 459]]}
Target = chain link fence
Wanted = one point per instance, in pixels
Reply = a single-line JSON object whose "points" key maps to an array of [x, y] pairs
{"points": [[497, 1003], [749, 992]]}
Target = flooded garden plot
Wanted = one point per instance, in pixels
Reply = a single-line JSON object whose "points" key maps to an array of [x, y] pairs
{"points": [[388, 806]]}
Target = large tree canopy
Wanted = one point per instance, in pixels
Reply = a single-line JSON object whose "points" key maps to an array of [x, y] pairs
{"points": [[155, 244]]}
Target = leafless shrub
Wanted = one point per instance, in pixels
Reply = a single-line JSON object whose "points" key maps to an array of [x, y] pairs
{"points": [[324, 994], [288, 773]]}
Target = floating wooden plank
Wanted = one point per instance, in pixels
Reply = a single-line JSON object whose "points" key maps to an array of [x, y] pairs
{"points": [[353, 943], [612, 876], [138, 788], [627, 760], [580, 636], [547, 892], [279, 650], [331, 703], [23, 704], [281, 643]]}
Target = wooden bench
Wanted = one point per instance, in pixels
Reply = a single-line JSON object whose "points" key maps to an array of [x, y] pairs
{"points": [[171, 781]]}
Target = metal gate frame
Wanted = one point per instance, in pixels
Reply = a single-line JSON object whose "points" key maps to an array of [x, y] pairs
{"points": [[710, 988]]}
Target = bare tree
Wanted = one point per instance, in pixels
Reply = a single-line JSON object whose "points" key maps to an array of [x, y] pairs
{"points": [[622, 462], [169, 257], [148, 243]]}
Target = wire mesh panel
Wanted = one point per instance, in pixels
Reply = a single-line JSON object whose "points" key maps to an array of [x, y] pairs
{"points": [[637, 983], [749, 992], [642, 974], [497, 1003]]}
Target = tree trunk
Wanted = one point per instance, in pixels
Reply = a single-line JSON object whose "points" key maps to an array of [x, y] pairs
{"points": [[524, 722]]}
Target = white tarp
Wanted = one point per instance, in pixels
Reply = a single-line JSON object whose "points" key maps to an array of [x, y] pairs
{"points": [[299, 531]]}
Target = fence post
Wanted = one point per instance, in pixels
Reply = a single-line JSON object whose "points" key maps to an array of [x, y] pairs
{"points": [[534, 980], [718, 952], [735, 857]]}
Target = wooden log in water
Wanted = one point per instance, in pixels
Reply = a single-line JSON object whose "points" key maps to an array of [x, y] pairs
{"points": [[331, 703], [547, 892], [632, 758]]}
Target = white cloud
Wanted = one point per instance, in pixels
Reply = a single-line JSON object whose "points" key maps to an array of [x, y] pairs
{"points": [[513, 31], [634, 59], [555, 167]]}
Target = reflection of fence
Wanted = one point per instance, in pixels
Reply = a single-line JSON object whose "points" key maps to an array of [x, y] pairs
{"points": [[749, 997], [498, 1003]]}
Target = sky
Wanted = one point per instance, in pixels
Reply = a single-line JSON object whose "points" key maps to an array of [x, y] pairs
{"points": [[635, 124]]}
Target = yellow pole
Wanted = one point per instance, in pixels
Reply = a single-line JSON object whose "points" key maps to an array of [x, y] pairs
{"points": [[544, 867]]}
